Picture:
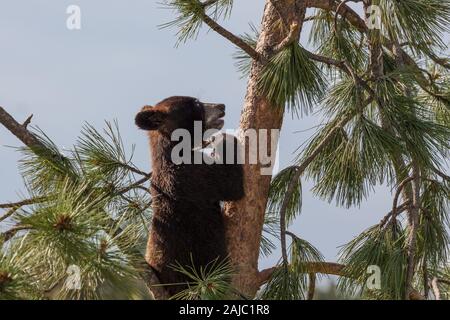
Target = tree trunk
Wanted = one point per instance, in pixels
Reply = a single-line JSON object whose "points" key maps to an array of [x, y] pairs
{"points": [[245, 218]]}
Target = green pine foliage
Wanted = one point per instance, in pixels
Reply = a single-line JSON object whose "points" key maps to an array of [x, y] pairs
{"points": [[375, 247], [188, 19], [211, 282], [293, 80], [91, 219], [290, 281], [243, 61], [344, 44], [271, 232], [278, 189], [91, 208]]}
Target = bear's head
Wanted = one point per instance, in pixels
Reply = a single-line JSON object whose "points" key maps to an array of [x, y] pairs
{"points": [[180, 113]]}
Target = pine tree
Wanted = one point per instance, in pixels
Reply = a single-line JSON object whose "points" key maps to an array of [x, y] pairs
{"points": [[382, 87]]}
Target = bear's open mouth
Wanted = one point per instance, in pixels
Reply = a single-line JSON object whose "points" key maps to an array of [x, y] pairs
{"points": [[216, 124], [214, 114]]}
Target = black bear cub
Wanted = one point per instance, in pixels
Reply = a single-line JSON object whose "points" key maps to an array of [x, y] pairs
{"points": [[188, 224]]}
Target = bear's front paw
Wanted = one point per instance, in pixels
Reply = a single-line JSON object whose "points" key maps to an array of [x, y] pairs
{"points": [[226, 149]]}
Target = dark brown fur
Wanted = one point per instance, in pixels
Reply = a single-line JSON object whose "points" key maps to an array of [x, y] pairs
{"points": [[187, 216]]}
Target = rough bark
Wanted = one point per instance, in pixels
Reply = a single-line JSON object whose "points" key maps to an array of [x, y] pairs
{"points": [[245, 218]]}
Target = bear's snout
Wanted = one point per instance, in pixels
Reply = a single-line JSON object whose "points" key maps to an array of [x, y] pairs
{"points": [[213, 115]]}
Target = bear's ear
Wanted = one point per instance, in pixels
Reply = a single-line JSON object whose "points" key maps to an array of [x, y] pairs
{"points": [[149, 119]]}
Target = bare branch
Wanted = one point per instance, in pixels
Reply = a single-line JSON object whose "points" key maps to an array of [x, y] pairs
{"points": [[413, 226], [312, 286], [391, 217], [435, 287], [400, 188], [344, 11], [8, 235], [414, 195], [27, 122], [22, 203], [327, 60], [442, 175], [426, 287], [209, 3], [135, 185], [329, 268], [338, 9], [19, 130], [136, 170], [446, 282], [9, 213], [444, 62], [237, 41]]}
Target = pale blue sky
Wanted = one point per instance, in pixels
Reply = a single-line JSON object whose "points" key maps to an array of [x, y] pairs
{"points": [[121, 61]]}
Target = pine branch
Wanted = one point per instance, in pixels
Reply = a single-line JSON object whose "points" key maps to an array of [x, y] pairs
{"points": [[353, 18], [442, 175], [312, 286], [8, 235], [413, 216], [31, 141], [344, 11], [13, 207], [414, 227], [9, 213], [293, 35], [426, 288], [329, 268], [305, 163], [135, 185], [446, 282], [435, 286], [444, 62], [392, 215], [400, 188], [336, 15], [209, 3], [297, 174], [310, 18], [136, 170], [26, 202], [345, 67]]}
